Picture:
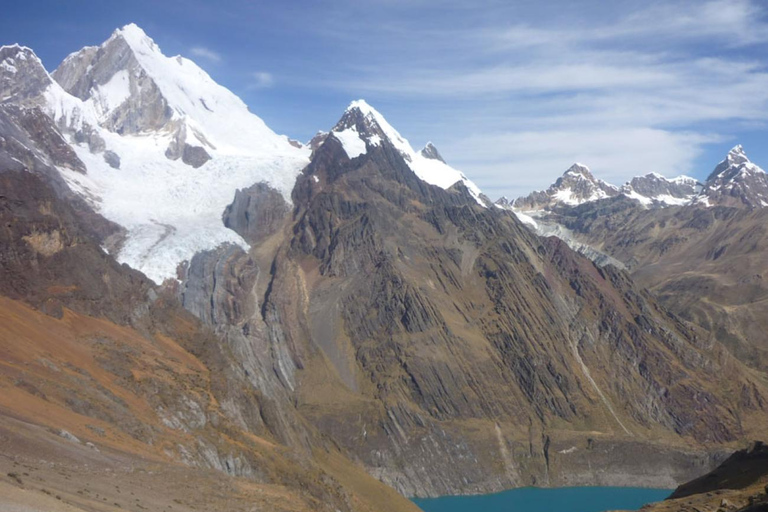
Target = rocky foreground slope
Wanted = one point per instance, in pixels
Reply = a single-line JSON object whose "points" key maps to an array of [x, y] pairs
{"points": [[378, 321], [739, 484]]}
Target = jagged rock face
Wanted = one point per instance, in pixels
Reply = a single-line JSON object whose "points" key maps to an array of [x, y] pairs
{"points": [[411, 313], [431, 152], [705, 264], [576, 186], [362, 127], [31, 139], [22, 76], [256, 213], [735, 182], [123, 367], [122, 92], [46, 245], [656, 190], [194, 156], [317, 140]]}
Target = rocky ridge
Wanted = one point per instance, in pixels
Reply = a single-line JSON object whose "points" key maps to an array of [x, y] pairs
{"points": [[735, 182], [379, 316]]}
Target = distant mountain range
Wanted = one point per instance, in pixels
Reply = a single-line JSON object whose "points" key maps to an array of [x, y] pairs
{"points": [[257, 322], [735, 182]]}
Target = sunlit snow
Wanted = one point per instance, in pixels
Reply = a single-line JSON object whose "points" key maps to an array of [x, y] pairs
{"points": [[172, 210], [432, 171]]}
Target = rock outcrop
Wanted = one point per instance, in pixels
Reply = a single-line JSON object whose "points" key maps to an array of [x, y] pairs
{"points": [[739, 484], [423, 329]]}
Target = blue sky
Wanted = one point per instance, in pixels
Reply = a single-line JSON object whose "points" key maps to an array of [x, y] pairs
{"points": [[512, 93]]}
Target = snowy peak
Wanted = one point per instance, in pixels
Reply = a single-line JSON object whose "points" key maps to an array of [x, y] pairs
{"points": [[136, 38], [735, 158], [576, 186], [156, 132], [655, 190], [431, 152], [579, 171], [372, 127], [735, 182], [363, 127], [735, 162], [134, 89], [23, 79]]}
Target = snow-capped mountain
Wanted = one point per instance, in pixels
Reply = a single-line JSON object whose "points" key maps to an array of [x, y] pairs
{"points": [[362, 126], [654, 189], [430, 151], [576, 186], [735, 182], [153, 131]]}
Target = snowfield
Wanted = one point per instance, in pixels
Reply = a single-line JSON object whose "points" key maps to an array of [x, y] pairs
{"points": [[172, 210]]}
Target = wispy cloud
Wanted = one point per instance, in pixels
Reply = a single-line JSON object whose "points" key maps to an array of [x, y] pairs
{"points": [[205, 53], [625, 91], [261, 80]]}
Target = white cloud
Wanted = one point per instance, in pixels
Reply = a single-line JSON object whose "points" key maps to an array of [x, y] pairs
{"points": [[205, 53], [261, 80], [516, 163], [624, 92]]}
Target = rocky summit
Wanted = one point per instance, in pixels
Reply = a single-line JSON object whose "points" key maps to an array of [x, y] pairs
{"points": [[576, 186], [199, 313]]}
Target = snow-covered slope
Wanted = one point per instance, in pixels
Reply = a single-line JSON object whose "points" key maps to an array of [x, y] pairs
{"points": [[655, 190], [424, 164], [576, 186], [165, 148]]}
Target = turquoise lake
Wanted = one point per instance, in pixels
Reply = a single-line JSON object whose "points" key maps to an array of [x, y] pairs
{"points": [[566, 499]]}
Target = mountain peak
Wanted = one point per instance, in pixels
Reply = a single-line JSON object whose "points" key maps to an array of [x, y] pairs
{"points": [[655, 190], [736, 182], [578, 169], [736, 156], [431, 152], [362, 127], [576, 186], [22, 76], [362, 106], [735, 161], [136, 39]]}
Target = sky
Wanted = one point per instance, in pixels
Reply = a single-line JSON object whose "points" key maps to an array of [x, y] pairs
{"points": [[511, 92]]}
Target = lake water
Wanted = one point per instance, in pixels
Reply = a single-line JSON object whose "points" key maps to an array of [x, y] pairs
{"points": [[565, 499]]}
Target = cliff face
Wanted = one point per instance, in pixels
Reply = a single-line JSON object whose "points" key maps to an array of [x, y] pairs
{"points": [[386, 321], [704, 264], [100, 365], [419, 330]]}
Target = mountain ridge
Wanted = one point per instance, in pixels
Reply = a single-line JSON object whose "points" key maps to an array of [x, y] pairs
{"points": [[365, 313], [735, 182]]}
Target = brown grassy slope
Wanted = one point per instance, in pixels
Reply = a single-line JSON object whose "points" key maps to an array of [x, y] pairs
{"points": [[740, 483], [121, 365], [706, 264], [105, 384]]}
